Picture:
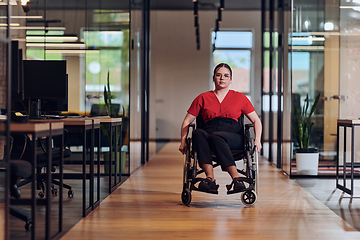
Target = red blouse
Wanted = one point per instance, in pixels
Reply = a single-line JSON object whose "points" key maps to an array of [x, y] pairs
{"points": [[209, 107]]}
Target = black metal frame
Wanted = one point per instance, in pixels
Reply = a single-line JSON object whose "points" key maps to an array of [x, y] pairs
{"points": [[114, 126], [48, 134], [95, 135], [346, 124], [83, 129]]}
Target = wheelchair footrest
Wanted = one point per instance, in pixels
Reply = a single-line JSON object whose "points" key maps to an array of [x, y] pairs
{"points": [[193, 187], [206, 191], [231, 190], [250, 188]]}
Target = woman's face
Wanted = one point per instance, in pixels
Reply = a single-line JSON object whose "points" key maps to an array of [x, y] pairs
{"points": [[222, 78]]}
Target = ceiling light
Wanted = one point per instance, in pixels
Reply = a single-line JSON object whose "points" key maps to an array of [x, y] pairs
{"points": [[65, 38], [308, 48], [40, 28], [58, 45], [307, 38], [222, 4], [28, 17], [11, 24], [24, 2], [69, 51], [328, 26]]}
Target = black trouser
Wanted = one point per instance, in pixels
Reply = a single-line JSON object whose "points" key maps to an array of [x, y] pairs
{"points": [[220, 136]]}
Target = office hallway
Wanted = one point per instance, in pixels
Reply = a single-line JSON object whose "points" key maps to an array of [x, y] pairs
{"points": [[148, 206]]}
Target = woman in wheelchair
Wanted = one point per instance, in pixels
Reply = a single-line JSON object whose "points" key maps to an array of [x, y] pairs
{"points": [[220, 110]]}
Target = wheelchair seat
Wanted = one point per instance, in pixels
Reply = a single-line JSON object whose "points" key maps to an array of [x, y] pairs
{"points": [[246, 153]]}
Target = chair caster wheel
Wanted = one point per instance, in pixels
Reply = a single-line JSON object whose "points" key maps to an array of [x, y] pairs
{"points": [[41, 194], [71, 193], [54, 192], [186, 197], [248, 198], [28, 226]]}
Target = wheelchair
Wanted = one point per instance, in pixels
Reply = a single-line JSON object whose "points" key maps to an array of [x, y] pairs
{"points": [[249, 173]]}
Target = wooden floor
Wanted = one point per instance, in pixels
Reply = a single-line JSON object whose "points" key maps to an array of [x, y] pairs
{"points": [[148, 206]]}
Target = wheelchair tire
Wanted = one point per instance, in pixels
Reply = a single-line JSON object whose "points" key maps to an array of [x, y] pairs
{"points": [[248, 198], [186, 197]]}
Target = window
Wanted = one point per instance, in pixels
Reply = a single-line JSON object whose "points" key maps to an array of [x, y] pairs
{"points": [[235, 49]]}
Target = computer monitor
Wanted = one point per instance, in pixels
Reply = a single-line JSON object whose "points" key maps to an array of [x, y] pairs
{"points": [[45, 86], [17, 77], [45, 79]]}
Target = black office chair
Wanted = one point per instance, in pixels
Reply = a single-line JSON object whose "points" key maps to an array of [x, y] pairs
{"points": [[100, 110], [19, 169], [22, 148]]}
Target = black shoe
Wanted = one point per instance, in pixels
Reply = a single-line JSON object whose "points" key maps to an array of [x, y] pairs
{"points": [[208, 185], [238, 184]]}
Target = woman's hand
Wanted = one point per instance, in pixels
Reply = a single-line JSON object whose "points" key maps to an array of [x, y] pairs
{"points": [[253, 117], [183, 147], [258, 146], [184, 129]]}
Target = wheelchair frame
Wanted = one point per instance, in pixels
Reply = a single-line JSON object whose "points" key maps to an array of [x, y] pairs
{"points": [[249, 173]]}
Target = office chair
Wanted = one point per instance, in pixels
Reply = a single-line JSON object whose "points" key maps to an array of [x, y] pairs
{"points": [[22, 150], [19, 169]]}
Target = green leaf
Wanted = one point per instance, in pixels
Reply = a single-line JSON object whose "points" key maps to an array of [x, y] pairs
{"points": [[302, 125]]}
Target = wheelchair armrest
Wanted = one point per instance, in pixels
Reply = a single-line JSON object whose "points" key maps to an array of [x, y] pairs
{"points": [[249, 125]]}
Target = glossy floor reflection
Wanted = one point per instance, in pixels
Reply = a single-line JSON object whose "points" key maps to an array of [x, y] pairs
{"points": [[324, 190], [148, 206]]}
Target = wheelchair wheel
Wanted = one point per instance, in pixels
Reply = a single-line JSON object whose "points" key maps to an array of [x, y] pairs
{"points": [[248, 198], [186, 197]]}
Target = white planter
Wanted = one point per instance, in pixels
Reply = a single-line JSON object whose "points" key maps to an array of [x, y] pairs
{"points": [[307, 163]]}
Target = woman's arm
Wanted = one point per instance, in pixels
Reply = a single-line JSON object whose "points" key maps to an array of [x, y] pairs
{"points": [[184, 129], [253, 117]]}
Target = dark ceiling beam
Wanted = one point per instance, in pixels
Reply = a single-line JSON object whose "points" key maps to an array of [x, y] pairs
{"points": [[155, 4]]}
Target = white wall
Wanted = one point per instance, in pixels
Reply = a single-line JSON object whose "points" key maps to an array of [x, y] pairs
{"points": [[179, 72], [75, 84]]}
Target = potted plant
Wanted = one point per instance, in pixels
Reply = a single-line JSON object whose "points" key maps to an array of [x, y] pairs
{"points": [[307, 158], [110, 110]]}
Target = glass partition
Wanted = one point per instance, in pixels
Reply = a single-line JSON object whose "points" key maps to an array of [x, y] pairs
{"points": [[324, 61], [93, 38], [4, 213]]}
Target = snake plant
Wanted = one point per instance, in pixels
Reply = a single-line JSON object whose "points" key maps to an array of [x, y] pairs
{"points": [[302, 122]]}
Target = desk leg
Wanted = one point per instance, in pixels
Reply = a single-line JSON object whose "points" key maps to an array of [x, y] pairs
{"points": [[48, 189], [337, 155], [61, 177], [116, 158], [98, 166], [92, 168], [84, 172], [110, 157], [345, 149], [352, 161], [97, 199], [33, 190]]}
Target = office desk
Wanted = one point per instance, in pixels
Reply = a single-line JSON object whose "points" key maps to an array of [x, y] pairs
{"points": [[81, 126], [114, 125], [41, 130], [346, 123]]}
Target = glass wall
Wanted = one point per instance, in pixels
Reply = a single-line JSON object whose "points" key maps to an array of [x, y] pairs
{"points": [[94, 39], [324, 61], [4, 61]]}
